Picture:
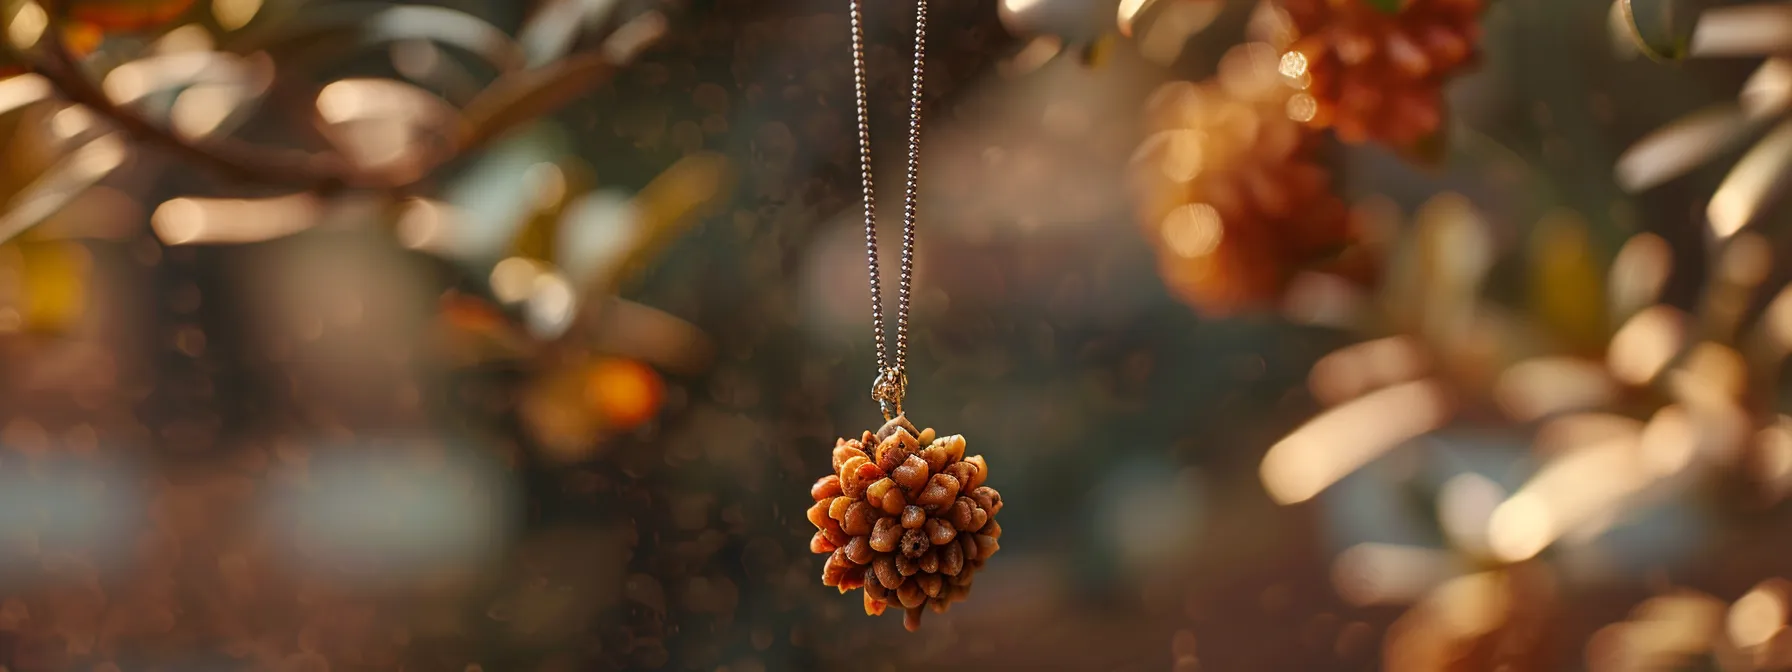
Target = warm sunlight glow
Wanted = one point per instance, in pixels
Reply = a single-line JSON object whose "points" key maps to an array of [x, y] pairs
{"points": [[1339, 441]]}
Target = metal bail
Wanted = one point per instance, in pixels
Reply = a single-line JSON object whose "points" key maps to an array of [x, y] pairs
{"points": [[888, 390]]}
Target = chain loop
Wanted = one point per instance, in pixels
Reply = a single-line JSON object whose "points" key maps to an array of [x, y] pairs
{"points": [[888, 389], [892, 381]]}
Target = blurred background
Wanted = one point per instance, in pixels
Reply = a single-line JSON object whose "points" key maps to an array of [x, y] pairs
{"points": [[492, 335]]}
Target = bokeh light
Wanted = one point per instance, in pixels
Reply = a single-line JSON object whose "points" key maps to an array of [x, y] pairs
{"points": [[1302, 335]]}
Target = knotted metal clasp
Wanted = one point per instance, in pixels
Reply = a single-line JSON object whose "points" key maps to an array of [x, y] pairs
{"points": [[888, 390]]}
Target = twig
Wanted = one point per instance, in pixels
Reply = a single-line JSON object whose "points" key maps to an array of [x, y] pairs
{"points": [[268, 166], [328, 170]]}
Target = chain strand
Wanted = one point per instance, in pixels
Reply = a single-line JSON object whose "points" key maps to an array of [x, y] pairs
{"points": [[892, 378]]}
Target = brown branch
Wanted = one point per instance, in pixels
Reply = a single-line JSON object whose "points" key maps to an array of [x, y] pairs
{"points": [[236, 160], [326, 171]]}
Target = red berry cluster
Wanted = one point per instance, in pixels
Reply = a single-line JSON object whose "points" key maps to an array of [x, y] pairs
{"points": [[1378, 75], [1234, 196]]}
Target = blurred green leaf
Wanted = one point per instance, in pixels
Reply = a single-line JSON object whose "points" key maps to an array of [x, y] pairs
{"points": [[1567, 288], [522, 97], [215, 110], [650, 335], [597, 231], [1167, 34], [1768, 92], [495, 193], [1436, 279], [675, 200], [20, 90], [615, 238], [334, 30], [1430, 151], [1387, 6], [556, 25], [142, 78], [1672, 150], [1756, 181], [68, 179], [1661, 29], [1755, 29], [639, 231], [1637, 275]]}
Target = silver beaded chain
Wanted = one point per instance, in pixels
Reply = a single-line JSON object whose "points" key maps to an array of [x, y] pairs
{"points": [[892, 380]]}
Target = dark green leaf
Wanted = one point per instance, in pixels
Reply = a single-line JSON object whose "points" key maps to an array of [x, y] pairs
{"points": [[675, 200], [1430, 151], [648, 334], [661, 212], [521, 97], [556, 24], [339, 30], [1387, 6], [526, 96], [605, 239]]}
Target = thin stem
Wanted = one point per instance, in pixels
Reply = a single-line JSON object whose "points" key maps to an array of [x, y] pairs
{"points": [[319, 171], [59, 65]]}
